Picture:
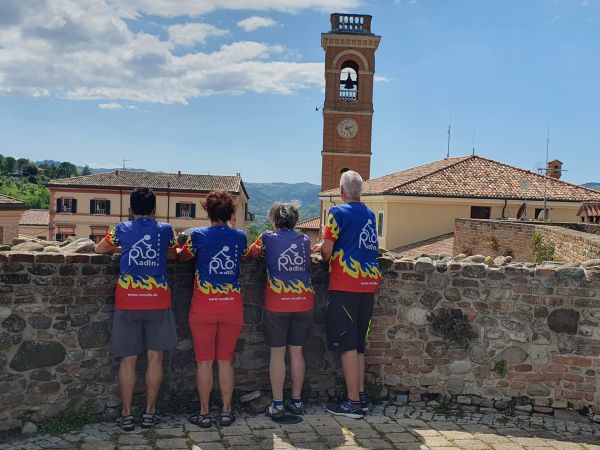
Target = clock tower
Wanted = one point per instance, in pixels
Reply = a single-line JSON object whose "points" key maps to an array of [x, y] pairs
{"points": [[348, 109]]}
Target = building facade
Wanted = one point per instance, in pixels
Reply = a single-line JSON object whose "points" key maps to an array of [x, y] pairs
{"points": [[423, 202], [11, 211], [88, 206], [35, 223], [348, 109]]}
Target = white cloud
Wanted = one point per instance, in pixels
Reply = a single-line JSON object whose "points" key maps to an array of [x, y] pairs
{"points": [[381, 79], [111, 105], [412, 2], [191, 33], [84, 50], [194, 8], [555, 19], [255, 22]]}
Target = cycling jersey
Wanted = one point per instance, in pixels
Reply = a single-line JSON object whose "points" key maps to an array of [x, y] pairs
{"points": [[218, 250], [353, 265], [143, 283], [287, 255]]}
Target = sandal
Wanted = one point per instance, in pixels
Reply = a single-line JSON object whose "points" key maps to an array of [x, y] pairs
{"points": [[202, 420], [149, 420], [126, 423], [226, 419]]}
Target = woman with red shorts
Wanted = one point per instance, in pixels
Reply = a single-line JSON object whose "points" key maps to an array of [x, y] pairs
{"points": [[216, 311]]}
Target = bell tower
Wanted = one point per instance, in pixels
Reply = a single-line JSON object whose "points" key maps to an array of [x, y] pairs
{"points": [[348, 109]]}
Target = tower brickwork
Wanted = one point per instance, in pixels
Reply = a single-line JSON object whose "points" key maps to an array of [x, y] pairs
{"points": [[348, 109]]}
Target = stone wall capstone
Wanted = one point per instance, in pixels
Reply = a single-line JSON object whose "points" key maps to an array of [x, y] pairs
{"points": [[540, 322]]}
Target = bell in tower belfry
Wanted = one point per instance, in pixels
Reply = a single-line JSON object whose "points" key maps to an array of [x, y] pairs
{"points": [[348, 108]]}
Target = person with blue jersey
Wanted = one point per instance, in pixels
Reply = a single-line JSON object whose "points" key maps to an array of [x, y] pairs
{"points": [[216, 311], [289, 302], [142, 320], [351, 246]]}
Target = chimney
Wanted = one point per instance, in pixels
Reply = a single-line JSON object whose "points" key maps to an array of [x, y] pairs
{"points": [[554, 169], [179, 173], [116, 172]]}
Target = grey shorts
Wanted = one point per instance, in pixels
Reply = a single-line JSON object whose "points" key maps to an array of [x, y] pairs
{"points": [[294, 328], [137, 331]]}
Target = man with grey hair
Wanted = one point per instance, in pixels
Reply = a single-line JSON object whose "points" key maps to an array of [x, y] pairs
{"points": [[351, 246]]}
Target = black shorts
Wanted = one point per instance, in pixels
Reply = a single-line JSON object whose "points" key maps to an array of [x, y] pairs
{"points": [[137, 331], [283, 328], [349, 320]]}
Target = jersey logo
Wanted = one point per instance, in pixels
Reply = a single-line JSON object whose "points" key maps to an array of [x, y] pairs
{"points": [[290, 260], [143, 254], [368, 237], [221, 263]]}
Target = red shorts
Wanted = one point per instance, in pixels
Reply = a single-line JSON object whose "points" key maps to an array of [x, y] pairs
{"points": [[215, 334]]}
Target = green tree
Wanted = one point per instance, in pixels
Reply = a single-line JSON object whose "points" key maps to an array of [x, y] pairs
{"points": [[86, 170], [10, 164], [66, 170]]}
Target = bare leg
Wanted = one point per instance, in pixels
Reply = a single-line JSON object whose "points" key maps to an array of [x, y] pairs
{"points": [[127, 382], [154, 377], [297, 369], [226, 380], [361, 373], [204, 383], [277, 371], [350, 365]]}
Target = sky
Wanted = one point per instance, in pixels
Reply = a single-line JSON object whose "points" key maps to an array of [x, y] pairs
{"points": [[232, 86]]}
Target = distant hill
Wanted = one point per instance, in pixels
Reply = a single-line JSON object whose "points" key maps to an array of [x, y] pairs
{"points": [[592, 185], [54, 163], [263, 195]]}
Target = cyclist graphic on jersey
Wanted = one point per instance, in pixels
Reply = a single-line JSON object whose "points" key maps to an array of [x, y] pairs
{"points": [[290, 258], [143, 250], [368, 237], [221, 263]]}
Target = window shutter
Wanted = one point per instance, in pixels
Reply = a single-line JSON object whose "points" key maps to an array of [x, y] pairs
{"points": [[59, 205], [107, 211], [92, 206], [193, 210], [58, 236], [92, 237], [177, 209], [74, 205]]}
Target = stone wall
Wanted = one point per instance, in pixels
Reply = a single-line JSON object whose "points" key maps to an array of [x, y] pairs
{"points": [[540, 323], [572, 242]]}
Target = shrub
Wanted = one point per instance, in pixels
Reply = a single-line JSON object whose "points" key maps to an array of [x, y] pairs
{"points": [[541, 250]]}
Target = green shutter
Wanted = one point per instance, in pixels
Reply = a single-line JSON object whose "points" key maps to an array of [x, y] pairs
{"points": [[177, 209], [74, 205], [193, 210]]}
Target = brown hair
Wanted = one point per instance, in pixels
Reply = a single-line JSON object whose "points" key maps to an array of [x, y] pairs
{"points": [[219, 205]]}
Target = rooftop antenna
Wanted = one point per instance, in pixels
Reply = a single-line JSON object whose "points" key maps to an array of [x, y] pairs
{"points": [[449, 128], [546, 178], [125, 161], [473, 140]]}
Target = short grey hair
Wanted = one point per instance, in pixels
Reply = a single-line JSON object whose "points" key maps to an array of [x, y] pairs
{"points": [[352, 183], [284, 215]]}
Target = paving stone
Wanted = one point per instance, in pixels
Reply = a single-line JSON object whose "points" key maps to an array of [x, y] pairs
{"points": [[470, 444], [365, 433], [420, 432], [398, 438], [389, 428], [206, 435], [514, 432], [135, 447], [132, 439], [235, 430], [352, 423], [175, 443], [239, 440], [492, 438], [97, 445], [504, 446], [529, 441], [562, 445], [435, 441], [374, 443], [321, 421], [208, 446], [455, 435]]}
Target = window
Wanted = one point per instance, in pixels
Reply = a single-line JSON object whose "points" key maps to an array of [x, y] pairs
{"points": [[324, 217], [539, 214], [66, 205], [481, 212], [98, 233], [349, 82], [185, 210], [98, 206], [380, 224]]}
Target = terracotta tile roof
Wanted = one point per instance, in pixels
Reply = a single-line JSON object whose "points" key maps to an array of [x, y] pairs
{"points": [[474, 177], [155, 180], [310, 224], [35, 217], [7, 202]]}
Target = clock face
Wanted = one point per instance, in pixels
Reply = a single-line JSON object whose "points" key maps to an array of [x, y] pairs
{"points": [[347, 128]]}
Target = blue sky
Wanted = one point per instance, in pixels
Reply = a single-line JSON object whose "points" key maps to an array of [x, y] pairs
{"points": [[231, 86]]}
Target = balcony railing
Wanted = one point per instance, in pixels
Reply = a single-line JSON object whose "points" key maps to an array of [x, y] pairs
{"points": [[185, 215], [351, 23], [65, 210], [100, 211], [348, 95]]}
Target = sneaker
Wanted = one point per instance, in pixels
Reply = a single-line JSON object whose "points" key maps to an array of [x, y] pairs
{"points": [[295, 408], [275, 412], [346, 409], [364, 403]]}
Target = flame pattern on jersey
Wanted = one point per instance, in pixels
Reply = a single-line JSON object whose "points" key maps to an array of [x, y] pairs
{"points": [[111, 237], [292, 287], [354, 268], [332, 227], [206, 287], [142, 282]]}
